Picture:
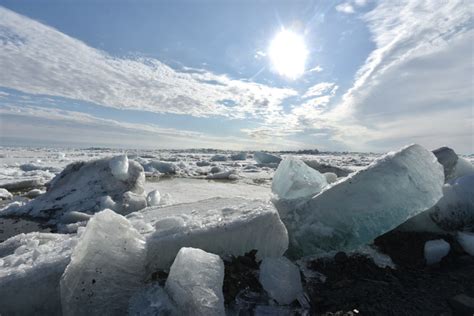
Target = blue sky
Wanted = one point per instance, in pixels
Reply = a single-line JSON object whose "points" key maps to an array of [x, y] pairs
{"points": [[181, 74]]}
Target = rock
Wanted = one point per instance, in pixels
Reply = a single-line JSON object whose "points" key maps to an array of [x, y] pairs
{"points": [[265, 158], [80, 187], [195, 283], [367, 204], [281, 279], [107, 266]]}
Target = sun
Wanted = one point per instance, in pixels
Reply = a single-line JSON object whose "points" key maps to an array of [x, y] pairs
{"points": [[288, 54]]}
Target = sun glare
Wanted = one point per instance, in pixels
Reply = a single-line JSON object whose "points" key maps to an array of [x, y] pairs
{"points": [[288, 54]]}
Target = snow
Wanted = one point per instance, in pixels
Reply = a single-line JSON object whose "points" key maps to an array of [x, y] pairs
{"points": [[31, 266], [231, 226], [153, 198], [455, 210], [281, 279], [106, 267], [466, 240], [151, 301], [293, 179], [119, 167], [265, 158], [5, 195], [366, 204], [34, 193], [195, 283], [435, 250], [80, 187]]}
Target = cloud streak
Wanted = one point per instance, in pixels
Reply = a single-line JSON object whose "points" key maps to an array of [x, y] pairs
{"points": [[38, 59]]}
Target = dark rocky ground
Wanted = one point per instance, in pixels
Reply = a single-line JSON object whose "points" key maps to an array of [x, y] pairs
{"points": [[356, 286]]}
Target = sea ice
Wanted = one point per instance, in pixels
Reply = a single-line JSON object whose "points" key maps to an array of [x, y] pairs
{"points": [[161, 166], [225, 226], [324, 167], [281, 279], [239, 156], [153, 198], [466, 240], [454, 166], [106, 267], [132, 202], [455, 210], [5, 195], [265, 158], [119, 167], [31, 266], [435, 250], [331, 177], [195, 283], [80, 187], [224, 175], [218, 158], [366, 204], [293, 179], [34, 193], [151, 301]]}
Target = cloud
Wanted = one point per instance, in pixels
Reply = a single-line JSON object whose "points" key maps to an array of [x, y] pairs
{"points": [[420, 71], [56, 126], [345, 7], [316, 68], [320, 89], [37, 59]]}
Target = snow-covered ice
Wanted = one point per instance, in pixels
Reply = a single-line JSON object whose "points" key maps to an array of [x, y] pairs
{"points": [[106, 267], [436, 250], [281, 279], [80, 187], [119, 167], [5, 195], [195, 283], [153, 198], [232, 226], [293, 179], [466, 240], [331, 177], [31, 266], [366, 204], [455, 210]]}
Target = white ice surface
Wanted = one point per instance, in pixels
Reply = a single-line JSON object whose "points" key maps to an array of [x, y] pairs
{"points": [[31, 266], [293, 179], [435, 250], [366, 204], [195, 283], [281, 279], [107, 266], [5, 195], [119, 167], [232, 226]]}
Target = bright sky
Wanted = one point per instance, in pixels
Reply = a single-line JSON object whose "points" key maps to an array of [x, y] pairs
{"points": [[360, 75]]}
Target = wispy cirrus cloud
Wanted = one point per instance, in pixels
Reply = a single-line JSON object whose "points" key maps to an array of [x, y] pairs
{"points": [[37, 59]]}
